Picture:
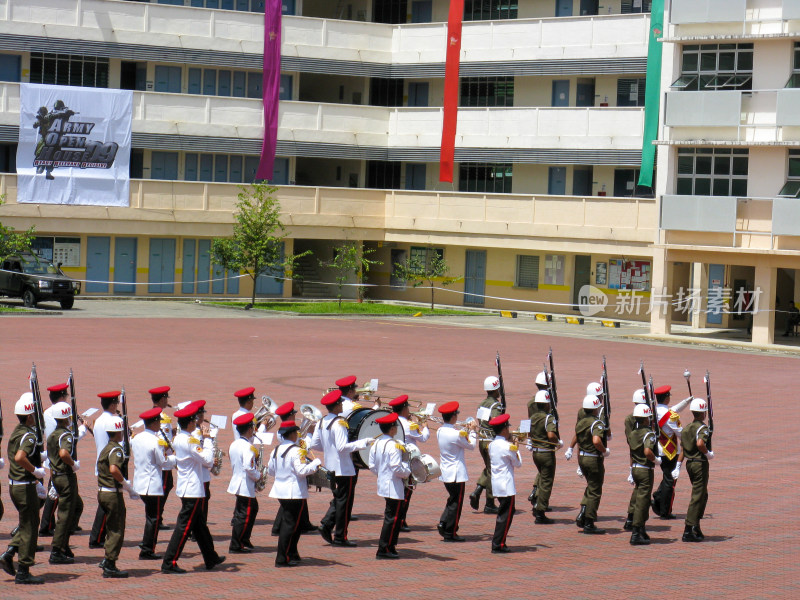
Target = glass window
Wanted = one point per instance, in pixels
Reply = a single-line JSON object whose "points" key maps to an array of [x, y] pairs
{"points": [[250, 168], [528, 271], [477, 177], [487, 91], [716, 66], [486, 10], [254, 85], [715, 172], [236, 169], [190, 170], [10, 67], [65, 69], [221, 168], [791, 188], [195, 76], [209, 82], [168, 79], [239, 84], [164, 165], [224, 88], [206, 167]]}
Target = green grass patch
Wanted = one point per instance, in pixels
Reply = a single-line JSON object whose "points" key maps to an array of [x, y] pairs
{"points": [[347, 308], [11, 309]]}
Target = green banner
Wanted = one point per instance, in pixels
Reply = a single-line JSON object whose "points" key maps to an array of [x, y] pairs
{"points": [[652, 98]]}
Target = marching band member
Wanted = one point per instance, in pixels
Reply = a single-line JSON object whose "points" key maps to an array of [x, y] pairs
{"points": [[347, 385], [202, 433], [331, 436], [642, 441], [151, 464], [386, 460], [543, 427], [289, 467], [191, 456], [244, 474], [160, 398], [110, 484], [668, 448], [246, 398], [62, 476], [504, 457], [452, 444], [589, 433], [491, 386], [110, 403], [630, 424], [695, 439], [24, 473], [414, 435]]}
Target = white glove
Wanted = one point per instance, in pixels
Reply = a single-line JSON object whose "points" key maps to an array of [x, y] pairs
{"points": [[40, 491], [126, 485], [366, 443], [676, 472], [212, 432], [38, 472], [76, 465], [2, 462], [568, 454], [610, 436], [43, 456], [709, 456], [630, 477], [52, 493], [81, 431], [579, 472], [316, 463], [607, 453], [657, 460], [560, 444]]}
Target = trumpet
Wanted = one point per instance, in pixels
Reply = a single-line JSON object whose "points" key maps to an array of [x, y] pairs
{"points": [[311, 416], [265, 415]]}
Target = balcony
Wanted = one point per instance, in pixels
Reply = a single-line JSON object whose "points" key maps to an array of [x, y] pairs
{"points": [[181, 28], [733, 19]]}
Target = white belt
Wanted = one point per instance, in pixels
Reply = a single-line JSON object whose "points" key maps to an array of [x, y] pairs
{"points": [[635, 466], [582, 453], [10, 482], [542, 450], [112, 490]]}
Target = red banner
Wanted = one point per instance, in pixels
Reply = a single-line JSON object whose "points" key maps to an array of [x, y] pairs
{"points": [[447, 154]]}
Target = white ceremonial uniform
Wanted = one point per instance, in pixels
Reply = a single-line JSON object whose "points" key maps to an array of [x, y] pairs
{"points": [[166, 427], [244, 473], [386, 461], [289, 469], [504, 461], [235, 416], [348, 406], [452, 444], [149, 461], [192, 458], [414, 434], [331, 437], [100, 434]]}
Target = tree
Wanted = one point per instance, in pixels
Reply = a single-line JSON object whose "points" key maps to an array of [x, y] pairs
{"points": [[433, 268], [14, 242], [350, 258], [257, 243]]}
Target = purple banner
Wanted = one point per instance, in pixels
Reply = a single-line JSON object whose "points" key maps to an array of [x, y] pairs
{"points": [[271, 86]]}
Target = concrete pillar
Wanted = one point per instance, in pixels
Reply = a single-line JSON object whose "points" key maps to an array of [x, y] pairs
{"points": [[796, 297], [288, 248], [661, 318], [700, 290], [764, 319]]}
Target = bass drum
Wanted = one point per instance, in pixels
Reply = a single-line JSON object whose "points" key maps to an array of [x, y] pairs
{"points": [[361, 425]]}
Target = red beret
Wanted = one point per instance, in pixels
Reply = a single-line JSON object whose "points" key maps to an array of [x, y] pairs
{"points": [[59, 387], [331, 397], [189, 410], [285, 409], [499, 420], [158, 391], [664, 389], [244, 393], [244, 419], [345, 382], [199, 405], [399, 401], [151, 414], [448, 408], [114, 394], [390, 418]]}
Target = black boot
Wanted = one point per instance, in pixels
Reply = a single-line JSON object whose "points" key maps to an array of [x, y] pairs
{"points": [[7, 560], [475, 497], [643, 531], [697, 532], [590, 528], [580, 519], [541, 518], [57, 557], [490, 508], [637, 539], [532, 497], [689, 535], [24, 576], [628, 523], [110, 570]]}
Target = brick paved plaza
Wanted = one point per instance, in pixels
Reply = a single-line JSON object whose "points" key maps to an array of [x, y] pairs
{"points": [[749, 526]]}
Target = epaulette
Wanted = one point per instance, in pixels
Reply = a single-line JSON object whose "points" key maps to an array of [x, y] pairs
{"points": [[162, 442], [512, 447], [302, 444], [463, 433], [342, 422], [254, 450], [194, 440], [165, 418], [400, 446], [414, 426]]}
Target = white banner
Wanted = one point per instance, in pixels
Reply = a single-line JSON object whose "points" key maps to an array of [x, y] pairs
{"points": [[74, 145]]}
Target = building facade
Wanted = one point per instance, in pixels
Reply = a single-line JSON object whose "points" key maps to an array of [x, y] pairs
{"points": [[544, 200]]}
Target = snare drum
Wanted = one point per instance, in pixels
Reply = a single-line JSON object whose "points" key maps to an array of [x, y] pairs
{"points": [[424, 468], [321, 478], [361, 425]]}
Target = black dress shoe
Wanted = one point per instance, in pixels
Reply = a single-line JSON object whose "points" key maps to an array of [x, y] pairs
{"points": [[172, 569], [500, 550], [532, 497], [77, 529], [111, 571], [162, 527], [149, 555], [291, 563], [344, 543], [68, 552], [454, 538], [309, 529], [326, 534], [474, 500], [40, 548], [353, 518], [689, 535], [405, 528], [667, 517], [580, 520], [102, 564], [440, 529], [248, 544], [24, 576], [217, 561], [490, 510], [628, 526], [386, 555], [94, 545], [242, 550], [697, 532]]}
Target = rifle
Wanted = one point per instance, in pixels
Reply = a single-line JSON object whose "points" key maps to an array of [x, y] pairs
{"points": [[126, 438], [1, 422], [653, 412], [552, 383], [500, 377], [607, 401], [38, 412], [707, 379], [550, 378], [71, 382]]}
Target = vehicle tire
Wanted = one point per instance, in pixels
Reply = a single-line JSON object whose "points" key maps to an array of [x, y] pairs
{"points": [[67, 303], [29, 299]]}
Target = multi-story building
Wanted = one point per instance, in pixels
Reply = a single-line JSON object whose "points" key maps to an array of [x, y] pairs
{"points": [[548, 146], [729, 163]]}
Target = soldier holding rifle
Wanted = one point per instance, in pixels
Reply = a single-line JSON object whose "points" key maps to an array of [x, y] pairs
{"points": [[110, 403], [544, 426], [495, 408], [60, 452], [642, 441], [590, 432], [696, 442]]}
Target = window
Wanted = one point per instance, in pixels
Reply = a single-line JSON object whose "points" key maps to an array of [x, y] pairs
{"points": [[133, 76], [230, 168], [794, 79], [383, 175], [8, 158], [554, 269], [67, 69], [716, 67], [791, 188], [10, 67], [423, 255], [385, 92], [164, 165], [487, 91], [476, 177], [486, 10], [168, 79], [239, 5], [415, 176], [630, 92], [285, 92], [712, 172], [389, 11], [635, 6], [222, 82], [528, 271]]}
